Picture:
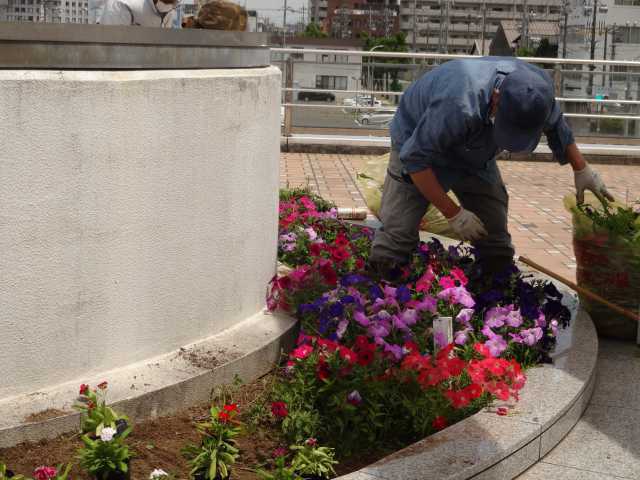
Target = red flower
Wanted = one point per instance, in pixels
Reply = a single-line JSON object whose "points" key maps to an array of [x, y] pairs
{"points": [[341, 240], [279, 409], [447, 282], [473, 391], [329, 275], [84, 389], [430, 377], [458, 399], [362, 342], [103, 385], [439, 423], [328, 345], [232, 407], [347, 354], [340, 254], [322, 371], [411, 346], [365, 357], [502, 411], [459, 275], [359, 263], [45, 473], [482, 349], [91, 405], [223, 416], [315, 249], [302, 352]]}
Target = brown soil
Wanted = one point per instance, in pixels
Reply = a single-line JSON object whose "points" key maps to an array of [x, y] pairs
{"points": [[157, 443], [44, 415]]}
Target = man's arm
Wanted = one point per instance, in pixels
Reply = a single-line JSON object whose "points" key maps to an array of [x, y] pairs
{"points": [[585, 178]]}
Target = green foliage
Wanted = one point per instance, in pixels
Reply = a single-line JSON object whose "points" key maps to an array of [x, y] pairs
{"points": [[95, 414], [525, 52], [622, 222], [218, 449], [311, 460], [288, 194], [611, 125], [4, 471], [101, 458], [314, 30], [280, 472]]}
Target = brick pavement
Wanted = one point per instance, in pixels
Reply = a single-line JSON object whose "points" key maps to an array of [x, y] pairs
{"points": [[540, 226]]}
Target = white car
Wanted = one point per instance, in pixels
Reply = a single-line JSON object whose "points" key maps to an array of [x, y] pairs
{"points": [[361, 101], [378, 117]]}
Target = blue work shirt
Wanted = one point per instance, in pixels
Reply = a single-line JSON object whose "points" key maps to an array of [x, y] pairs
{"points": [[443, 121]]}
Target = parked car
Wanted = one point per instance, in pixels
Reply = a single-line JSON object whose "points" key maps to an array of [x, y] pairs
{"points": [[378, 117], [316, 96], [361, 101]]}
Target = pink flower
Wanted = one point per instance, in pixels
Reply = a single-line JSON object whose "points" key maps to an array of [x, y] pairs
{"points": [[457, 295], [45, 473], [302, 352], [502, 411], [447, 282], [459, 275]]}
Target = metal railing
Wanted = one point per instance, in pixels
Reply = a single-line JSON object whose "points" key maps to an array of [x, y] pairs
{"points": [[606, 120]]}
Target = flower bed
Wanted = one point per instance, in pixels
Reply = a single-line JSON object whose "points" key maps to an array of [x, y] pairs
{"points": [[371, 367]]}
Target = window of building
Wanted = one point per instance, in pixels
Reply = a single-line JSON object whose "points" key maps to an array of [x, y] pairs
{"points": [[628, 3], [331, 82]]}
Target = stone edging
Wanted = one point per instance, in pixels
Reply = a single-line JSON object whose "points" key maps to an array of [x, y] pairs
{"points": [[486, 446], [159, 386]]}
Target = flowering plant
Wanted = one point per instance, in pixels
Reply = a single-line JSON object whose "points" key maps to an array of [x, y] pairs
{"points": [[312, 460], [61, 472], [280, 471], [95, 414], [6, 474], [106, 455], [159, 474], [218, 450]]}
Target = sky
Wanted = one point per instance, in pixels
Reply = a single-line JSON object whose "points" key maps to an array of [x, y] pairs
{"points": [[268, 8]]}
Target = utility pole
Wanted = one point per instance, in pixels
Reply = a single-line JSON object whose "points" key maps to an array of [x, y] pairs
{"points": [[565, 11], [284, 25], [525, 24], [415, 24], [484, 26], [592, 54], [604, 54]]}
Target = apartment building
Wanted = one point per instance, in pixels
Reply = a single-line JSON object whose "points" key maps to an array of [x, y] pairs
{"points": [[454, 26], [53, 11], [347, 19]]}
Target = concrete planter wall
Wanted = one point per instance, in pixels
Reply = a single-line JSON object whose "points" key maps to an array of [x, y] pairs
{"points": [[138, 213]]}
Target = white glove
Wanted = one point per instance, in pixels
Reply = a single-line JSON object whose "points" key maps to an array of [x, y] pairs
{"points": [[587, 179], [467, 225]]}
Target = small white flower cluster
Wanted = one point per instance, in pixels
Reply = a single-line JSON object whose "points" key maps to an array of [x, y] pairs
{"points": [[157, 474], [107, 434]]}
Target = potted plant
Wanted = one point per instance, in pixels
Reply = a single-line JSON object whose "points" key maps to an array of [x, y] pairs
{"points": [[312, 461], [281, 470], [218, 451], [95, 413], [107, 457]]}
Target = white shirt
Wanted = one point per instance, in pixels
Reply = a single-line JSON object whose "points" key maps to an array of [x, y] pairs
{"points": [[136, 12]]}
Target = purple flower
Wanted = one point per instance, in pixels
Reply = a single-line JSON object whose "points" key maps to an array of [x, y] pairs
{"points": [[378, 330], [403, 294], [289, 247], [513, 318], [457, 295], [409, 317], [464, 316], [554, 328], [389, 291], [531, 336], [342, 328], [354, 398], [336, 309], [462, 336], [395, 350], [541, 321], [427, 304], [496, 345], [383, 315], [361, 318], [311, 233], [398, 323]]}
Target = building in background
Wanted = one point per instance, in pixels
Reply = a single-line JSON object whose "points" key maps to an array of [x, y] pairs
{"points": [[454, 26], [351, 18], [508, 38], [52, 11], [323, 71]]}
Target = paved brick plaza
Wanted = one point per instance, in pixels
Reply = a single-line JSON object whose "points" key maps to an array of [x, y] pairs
{"points": [[540, 226]]}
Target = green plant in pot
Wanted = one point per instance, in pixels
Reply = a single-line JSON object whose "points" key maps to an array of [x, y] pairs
{"points": [[95, 413], [218, 450], [312, 461], [106, 457]]}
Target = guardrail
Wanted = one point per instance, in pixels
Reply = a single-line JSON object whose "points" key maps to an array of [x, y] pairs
{"points": [[588, 115]]}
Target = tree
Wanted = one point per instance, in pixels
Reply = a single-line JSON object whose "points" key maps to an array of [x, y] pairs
{"points": [[394, 43], [313, 30]]}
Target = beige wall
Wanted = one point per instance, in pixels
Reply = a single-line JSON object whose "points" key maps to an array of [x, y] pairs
{"points": [[138, 212]]}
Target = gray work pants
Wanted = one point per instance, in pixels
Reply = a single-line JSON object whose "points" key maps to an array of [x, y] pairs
{"points": [[403, 206]]}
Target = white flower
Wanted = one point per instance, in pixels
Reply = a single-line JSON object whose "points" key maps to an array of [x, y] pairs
{"points": [[107, 434], [158, 473]]}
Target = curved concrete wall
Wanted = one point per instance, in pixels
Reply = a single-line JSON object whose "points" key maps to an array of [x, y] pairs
{"points": [[138, 213]]}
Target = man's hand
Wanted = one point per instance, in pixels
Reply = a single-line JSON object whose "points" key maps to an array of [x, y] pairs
{"points": [[588, 179], [467, 225]]}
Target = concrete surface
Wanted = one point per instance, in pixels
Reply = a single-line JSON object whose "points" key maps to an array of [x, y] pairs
{"points": [[138, 213]]}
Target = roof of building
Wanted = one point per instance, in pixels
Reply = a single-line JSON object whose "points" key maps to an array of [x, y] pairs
{"points": [[480, 49], [513, 29]]}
